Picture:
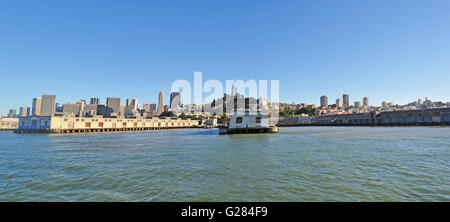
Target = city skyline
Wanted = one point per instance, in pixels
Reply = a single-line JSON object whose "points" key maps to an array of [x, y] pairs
{"points": [[387, 51], [131, 103]]}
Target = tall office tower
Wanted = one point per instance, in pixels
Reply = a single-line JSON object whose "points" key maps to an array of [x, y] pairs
{"points": [[12, 113], [71, 109], [384, 104], [36, 108], [81, 104], [131, 107], [90, 109], [323, 101], [147, 107], [357, 104], [113, 106], [339, 103], [175, 100], [95, 101], [366, 102], [152, 107], [160, 102], [24, 111], [166, 108], [233, 90], [132, 104], [419, 102], [345, 100], [48, 106]]}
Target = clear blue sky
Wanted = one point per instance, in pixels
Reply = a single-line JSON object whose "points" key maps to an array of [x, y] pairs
{"points": [[393, 50]]}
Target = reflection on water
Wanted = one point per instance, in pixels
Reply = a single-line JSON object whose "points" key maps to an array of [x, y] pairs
{"points": [[297, 164]]}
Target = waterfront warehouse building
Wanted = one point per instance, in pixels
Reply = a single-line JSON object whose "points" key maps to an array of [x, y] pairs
{"points": [[8, 124], [416, 117], [71, 124]]}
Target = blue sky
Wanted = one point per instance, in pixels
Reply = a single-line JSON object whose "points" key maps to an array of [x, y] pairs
{"points": [[393, 50]]}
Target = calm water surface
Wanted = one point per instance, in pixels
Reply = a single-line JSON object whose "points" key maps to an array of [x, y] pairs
{"points": [[298, 164]]}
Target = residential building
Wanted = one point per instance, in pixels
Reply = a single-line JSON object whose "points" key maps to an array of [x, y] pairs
{"points": [[345, 99], [323, 101]]}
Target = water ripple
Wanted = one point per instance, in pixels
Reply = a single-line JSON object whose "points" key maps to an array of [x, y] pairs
{"points": [[298, 164]]}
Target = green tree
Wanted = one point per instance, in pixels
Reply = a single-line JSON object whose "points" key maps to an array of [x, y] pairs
{"points": [[167, 114]]}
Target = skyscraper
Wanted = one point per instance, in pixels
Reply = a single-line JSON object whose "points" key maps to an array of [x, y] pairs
{"points": [[90, 109], [357, 104], [113, 106], [131, 107], [12, 113], [233, 90], [160, 102], [366, 102], [36, 107], [175, 100], [122, 110], [323, 101], [152, 107], [95, 101], [48, 106], [71, 109], [132, 104], [345, 99], [24, 111], [147, 107]]}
